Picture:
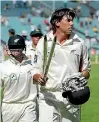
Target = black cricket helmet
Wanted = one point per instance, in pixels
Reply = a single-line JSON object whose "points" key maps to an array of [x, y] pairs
{"points": [[16, 42], [78, 97]]}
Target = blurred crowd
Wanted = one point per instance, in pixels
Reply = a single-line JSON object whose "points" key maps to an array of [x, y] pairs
{"points": [[87, 24]]}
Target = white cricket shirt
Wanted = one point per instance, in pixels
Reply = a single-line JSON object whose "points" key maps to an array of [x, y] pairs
{"points": [[30, 52], [69, 57], [17, 79]]}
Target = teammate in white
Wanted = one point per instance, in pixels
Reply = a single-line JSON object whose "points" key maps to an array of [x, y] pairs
{"points": [[35, 37], [31, 50], [18, 91], [70, 56]]}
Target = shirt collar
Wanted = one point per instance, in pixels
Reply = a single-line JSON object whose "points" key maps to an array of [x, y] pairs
{"points": [[32, 48], [26, 60], [67, 42]]}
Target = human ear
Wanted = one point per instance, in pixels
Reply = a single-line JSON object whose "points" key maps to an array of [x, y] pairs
{"points": [[57, 24]]}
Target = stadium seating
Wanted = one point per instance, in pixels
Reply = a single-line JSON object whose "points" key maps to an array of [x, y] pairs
{"points": [[13, 15]]}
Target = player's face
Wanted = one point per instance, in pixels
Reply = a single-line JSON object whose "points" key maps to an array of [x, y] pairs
{"points": [[16, 52], [66, 24], [35, 39]]}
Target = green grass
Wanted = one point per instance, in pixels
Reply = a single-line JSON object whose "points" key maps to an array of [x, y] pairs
{"points": [[93, 58], [90, 110]]}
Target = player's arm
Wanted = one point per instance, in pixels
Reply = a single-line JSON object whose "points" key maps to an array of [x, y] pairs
{"points": [[37, 71], [85, 62], [38, 65]]}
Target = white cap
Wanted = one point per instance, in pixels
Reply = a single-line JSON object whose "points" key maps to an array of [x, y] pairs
{"points": [[24, 33]]}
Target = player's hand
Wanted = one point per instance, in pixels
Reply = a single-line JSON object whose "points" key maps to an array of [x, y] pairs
{"points": [[40, 79]]}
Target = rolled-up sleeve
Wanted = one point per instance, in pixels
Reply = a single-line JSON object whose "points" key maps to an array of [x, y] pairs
{"points": [[85, 60]]}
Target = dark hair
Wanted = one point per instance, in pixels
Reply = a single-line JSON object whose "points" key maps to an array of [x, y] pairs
{"points": [[12, 31], [58, 14]]}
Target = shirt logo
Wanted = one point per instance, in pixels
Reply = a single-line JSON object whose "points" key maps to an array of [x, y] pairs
{"points": [[13, 77], [73, 51]]}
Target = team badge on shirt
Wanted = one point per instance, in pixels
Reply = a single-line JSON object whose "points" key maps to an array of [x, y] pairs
{"points": [[13, 77]]}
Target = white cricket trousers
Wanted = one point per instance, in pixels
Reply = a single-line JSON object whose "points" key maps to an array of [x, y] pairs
{"points": [[54, 108], [25, 112]]}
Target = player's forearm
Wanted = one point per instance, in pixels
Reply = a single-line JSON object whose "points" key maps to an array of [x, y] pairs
{"points": [[86, 74]]}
